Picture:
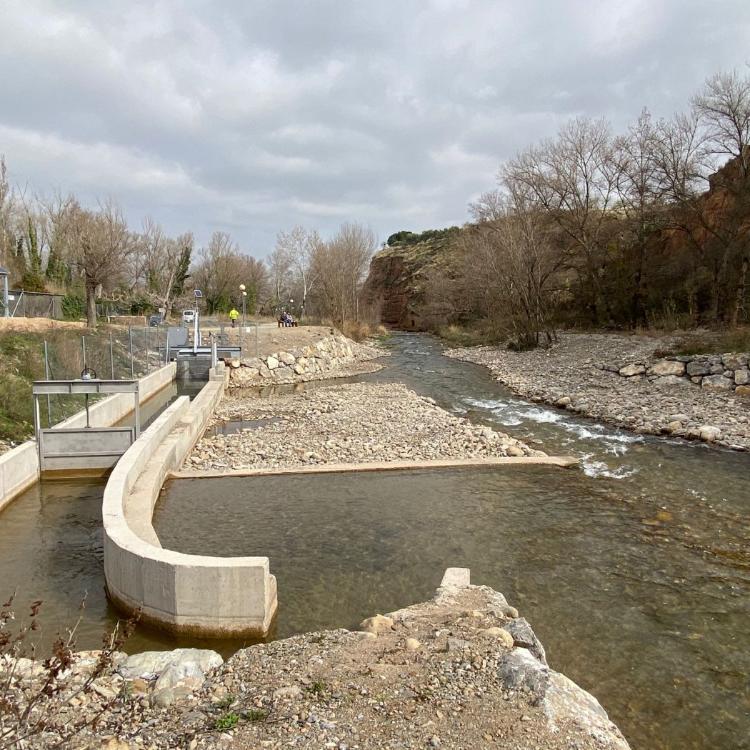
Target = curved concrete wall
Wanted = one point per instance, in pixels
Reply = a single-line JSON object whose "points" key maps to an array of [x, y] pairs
{"points": [[192, 594]]}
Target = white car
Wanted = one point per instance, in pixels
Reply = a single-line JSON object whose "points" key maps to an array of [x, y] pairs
{"points": [[188, 316]]}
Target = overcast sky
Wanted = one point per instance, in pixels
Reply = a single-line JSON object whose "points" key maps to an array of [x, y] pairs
{"points": [[252, 116]]}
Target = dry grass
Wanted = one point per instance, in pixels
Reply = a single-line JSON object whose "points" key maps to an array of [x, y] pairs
{"points": [[714, 342], [39, 325]]}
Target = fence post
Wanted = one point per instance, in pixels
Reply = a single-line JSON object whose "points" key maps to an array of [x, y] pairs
{"points": [[148, 356], [111, 355], [47, 377], [83, 350], [130, 347]]}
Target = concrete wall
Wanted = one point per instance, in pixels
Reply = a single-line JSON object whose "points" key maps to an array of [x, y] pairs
{"points": [[190, 594], [19, 467]]}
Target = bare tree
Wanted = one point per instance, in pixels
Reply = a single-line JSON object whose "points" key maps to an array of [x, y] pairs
{"points": [[723, 108], [340, 266], [639, 194], [490, 206], [280, 270], [572, 179], [220, 271], [7, 234], [511, 269], [164, 263], [98, 246], [295, 250]]}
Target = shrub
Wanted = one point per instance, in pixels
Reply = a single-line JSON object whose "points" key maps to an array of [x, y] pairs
{"points": [[73, 307], [226, 721]]}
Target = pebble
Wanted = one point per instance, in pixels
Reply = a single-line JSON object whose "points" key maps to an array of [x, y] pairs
{"points": [[344, 424]]}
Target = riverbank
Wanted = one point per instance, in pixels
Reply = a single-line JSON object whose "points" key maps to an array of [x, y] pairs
{"points": [[341, 424], [589, 374], [460, 671], [299, 355]]}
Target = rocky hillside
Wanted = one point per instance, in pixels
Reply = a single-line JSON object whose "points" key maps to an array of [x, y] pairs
{"points": [[691, 266], [396, 283]]}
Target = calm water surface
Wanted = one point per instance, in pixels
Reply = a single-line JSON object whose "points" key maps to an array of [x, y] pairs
{"points": [[635, 570]]}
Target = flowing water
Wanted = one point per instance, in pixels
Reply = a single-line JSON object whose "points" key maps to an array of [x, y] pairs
{"points": [[634, 570]]}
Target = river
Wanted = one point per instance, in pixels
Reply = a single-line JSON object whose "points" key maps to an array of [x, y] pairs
{"points": [[634, 570]]}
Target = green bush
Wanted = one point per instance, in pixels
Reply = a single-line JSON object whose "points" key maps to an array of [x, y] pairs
{"points": [[73, 307], [227, 721]]}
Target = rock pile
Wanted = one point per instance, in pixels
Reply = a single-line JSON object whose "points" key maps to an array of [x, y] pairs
{"points": [[718, 372], [332, 356], [633, 389], [350, 423], [460, 671]]}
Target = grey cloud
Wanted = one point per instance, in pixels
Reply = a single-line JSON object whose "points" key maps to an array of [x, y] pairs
{"points": [[253, 116]]}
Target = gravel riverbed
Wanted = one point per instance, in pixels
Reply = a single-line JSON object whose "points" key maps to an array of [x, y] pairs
{"points": [[573, 374], [344, 423]]}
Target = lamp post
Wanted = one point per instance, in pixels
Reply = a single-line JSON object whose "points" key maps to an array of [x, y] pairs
{"points": [[244, 313], [244, 297]]}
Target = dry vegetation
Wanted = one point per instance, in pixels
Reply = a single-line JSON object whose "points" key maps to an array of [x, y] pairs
{"points": [[648, 228]]}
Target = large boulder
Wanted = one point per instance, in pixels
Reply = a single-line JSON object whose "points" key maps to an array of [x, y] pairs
{"points": [[271, 362], [150, 664], [742, 377], [560, 698], [286, 358]]}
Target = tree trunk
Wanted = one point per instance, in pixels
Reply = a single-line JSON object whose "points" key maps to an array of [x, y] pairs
{"points": [[739, 305], [91, 305]]}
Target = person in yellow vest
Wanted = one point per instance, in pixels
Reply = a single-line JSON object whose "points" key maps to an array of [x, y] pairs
{"points": [[233, 315]]}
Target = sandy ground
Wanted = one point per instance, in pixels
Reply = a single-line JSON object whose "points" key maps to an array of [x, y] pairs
{"points": [[37, 324]]}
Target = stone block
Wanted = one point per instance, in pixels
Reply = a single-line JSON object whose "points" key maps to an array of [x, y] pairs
{"points": [[717, 383], [709, 433], [286, 358], [734, 361], [671, 380], [742, 390], [742, 377], [271, 362], [252, 362], [698, 367], [664, 367], [631, 370]]}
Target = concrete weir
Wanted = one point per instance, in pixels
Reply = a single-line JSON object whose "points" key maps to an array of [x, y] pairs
{"points": [[190, 594], [562, 462]]}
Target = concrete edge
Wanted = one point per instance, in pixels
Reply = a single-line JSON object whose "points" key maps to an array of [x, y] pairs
{"points": [[178, 592], [19, 467], [556, 461]]}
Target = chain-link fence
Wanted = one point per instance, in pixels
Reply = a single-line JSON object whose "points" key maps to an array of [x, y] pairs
{"points": [[120, 354], [23, 304]]}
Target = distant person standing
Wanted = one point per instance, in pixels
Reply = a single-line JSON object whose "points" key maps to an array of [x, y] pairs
{"points": [[233, 315]]}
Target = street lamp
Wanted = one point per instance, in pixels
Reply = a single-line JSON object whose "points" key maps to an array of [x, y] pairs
{"points": [[244, 303]]}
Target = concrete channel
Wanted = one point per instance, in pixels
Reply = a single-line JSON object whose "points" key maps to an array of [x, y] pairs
{"points": [[188, 594]]}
